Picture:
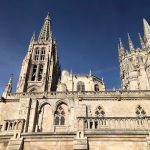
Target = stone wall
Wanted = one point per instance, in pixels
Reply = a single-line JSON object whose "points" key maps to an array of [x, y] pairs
{"points": [[9, 110]]}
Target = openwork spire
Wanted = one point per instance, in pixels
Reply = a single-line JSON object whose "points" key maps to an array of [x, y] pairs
{"points": [[45, 34], [131, 46], [141, 41]]}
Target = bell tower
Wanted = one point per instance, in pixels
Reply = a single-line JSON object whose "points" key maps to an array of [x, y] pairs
{"points": [[40, 70]]}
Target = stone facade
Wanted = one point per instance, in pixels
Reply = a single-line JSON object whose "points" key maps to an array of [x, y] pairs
{"points": [[65, 111], [134, 63]]}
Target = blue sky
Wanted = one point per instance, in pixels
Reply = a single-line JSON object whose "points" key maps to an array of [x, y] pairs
{"points": [[87, 33]]}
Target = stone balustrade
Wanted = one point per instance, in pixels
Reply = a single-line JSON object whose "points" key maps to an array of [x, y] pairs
{"points": [[13, 125], [111, 93], [115, 123]]}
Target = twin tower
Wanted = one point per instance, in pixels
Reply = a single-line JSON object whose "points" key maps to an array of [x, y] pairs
{"points": [[135, 62], [40, 70]]}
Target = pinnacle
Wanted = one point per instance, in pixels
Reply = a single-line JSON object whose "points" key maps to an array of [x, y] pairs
{"points": [[48, 16], [131, 46], [145, 21], [141, 41], [120, 44]]}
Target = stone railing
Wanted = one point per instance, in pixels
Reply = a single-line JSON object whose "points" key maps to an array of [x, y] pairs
{"points": [[107, 93], [13, 125], [114, 123]]}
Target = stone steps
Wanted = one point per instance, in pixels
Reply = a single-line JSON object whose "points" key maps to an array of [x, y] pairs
{"points": [[15, 144]]}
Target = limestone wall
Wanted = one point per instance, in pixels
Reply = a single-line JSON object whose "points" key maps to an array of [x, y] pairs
{"points": [[9, 110], [3, 145], [113, 108], [117, 144], [49, 144]]}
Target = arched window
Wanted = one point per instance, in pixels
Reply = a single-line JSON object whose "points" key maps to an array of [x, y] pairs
{"points": [[140, 111], [96, 87], [99, 112], [80, 86], [42, 53], [34, 72], [40, 72], [60, 116], [36, 56]]}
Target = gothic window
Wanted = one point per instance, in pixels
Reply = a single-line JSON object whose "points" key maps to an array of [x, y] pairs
{"points": [[42, 53], [36, 56], [34, 73], [96, 87], [60, 116], [140, 111], [80, 86], [99, 112], [40, 72]]}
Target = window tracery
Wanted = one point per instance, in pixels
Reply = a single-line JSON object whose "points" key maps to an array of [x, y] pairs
{"points": [[60, 116], [140, 112], [42, 53], [80, 86], [40, 72], [34, 73], [36, 56], [99, 112]]}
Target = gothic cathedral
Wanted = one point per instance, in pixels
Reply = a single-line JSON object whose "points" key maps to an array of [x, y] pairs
{"points": [[58, 110]]}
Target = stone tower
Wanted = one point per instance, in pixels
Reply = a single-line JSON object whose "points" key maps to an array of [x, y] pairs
{"points": [[134, 63], [40, 70]]}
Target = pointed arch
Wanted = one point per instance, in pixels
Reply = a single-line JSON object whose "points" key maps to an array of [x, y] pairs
{"points": [[42, 105], [32, 89], [99, 112], [61, 114], [45, 118]]}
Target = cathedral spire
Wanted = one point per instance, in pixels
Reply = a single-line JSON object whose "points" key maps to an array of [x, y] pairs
{"points": [[131, 46], [141, 41], [45, 33], [8, 87]]}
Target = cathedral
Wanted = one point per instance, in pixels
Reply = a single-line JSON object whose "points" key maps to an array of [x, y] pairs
{"points": [[54, 109]]}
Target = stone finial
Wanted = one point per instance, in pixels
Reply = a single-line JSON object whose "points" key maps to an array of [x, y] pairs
{"points": [[146, 28], [141, 41], [8, 88], [90, 72], [121, 48], [131, 46]]}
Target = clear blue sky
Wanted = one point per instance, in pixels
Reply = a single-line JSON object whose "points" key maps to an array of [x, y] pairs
{"points": [[87, 33]]}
